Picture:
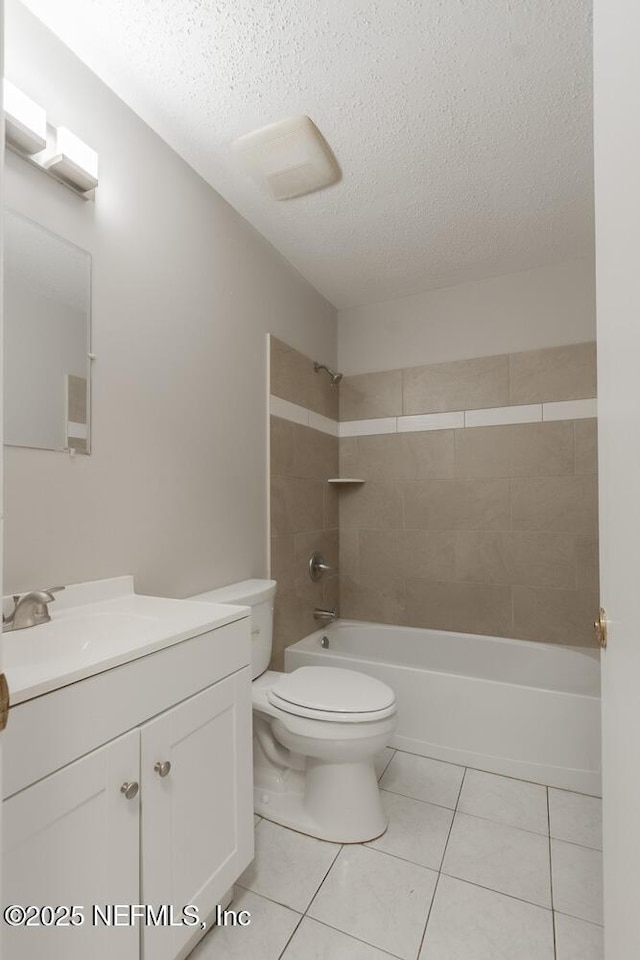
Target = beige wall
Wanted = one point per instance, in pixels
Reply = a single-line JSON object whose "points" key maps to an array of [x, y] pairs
{"points": [[489, 530], [304, 507], [546, 307], [184, 292]]}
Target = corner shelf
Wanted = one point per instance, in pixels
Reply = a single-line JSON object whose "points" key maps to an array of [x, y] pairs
{"points": [[344, 481]]}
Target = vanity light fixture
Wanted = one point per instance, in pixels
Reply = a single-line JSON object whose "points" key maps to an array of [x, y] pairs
{"points": [[73, 161], [58, 152], [25, 122]]}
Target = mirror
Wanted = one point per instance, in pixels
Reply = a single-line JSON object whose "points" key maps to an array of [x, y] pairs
{"points": [[47, 334]]}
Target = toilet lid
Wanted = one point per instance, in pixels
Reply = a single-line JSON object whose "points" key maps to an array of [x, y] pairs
{"points": [[340, 694]]}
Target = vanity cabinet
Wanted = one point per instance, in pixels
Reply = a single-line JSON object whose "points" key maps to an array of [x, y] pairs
{"points": [[197, 799], [162, 813], [72, 839]]}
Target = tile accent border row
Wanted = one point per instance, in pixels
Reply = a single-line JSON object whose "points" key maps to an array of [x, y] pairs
{"points": [[307, 418], [494, 416]]}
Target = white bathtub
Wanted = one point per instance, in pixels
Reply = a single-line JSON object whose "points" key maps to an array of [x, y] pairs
{"points": [[527, 710]]}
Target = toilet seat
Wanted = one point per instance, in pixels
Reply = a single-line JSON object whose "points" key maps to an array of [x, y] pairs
{"points": [[332, 694]]}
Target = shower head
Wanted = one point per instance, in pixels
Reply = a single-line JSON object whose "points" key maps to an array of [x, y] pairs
{"points": [[335, 377]]}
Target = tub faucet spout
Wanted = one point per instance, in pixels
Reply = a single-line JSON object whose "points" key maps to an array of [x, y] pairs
{"points": [[325, 616]]}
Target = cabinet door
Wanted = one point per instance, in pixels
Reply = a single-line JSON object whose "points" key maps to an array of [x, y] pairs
{"points": [[73, 839], [197, 822]]}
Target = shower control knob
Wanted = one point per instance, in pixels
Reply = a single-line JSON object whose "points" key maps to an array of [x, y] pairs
{"points": [[162, 767], [318, 566], [130, 789]]}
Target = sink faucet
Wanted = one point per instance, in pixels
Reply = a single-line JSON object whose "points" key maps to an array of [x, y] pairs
{"points": [[326, 616], [30, 609]]}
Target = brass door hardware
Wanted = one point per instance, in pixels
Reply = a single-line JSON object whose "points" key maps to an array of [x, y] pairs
{"points": [[600, 626], [4, 701]]}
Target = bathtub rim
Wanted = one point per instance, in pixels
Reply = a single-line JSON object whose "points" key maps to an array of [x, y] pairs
{"points": [[592, 653]]}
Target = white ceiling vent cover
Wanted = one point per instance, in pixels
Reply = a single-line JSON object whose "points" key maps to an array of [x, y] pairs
{"points": [[288, 159]]}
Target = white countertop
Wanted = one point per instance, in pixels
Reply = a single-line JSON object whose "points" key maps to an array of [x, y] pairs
{"points": [[100, 625]]}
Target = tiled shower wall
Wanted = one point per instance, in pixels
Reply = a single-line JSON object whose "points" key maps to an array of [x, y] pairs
{"points": [[304, 507], [465, 522], [481, 529]]}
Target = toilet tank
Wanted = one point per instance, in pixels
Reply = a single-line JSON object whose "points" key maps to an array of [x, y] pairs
{"points": [[259, 595]]}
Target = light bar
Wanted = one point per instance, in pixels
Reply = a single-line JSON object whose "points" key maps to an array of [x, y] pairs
{"points": [[25, 122], [74, 161]]}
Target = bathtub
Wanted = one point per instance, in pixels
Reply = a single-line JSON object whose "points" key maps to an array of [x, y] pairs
{"points": [[521, 709]]}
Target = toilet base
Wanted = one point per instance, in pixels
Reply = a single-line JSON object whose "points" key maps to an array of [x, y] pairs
{"points": [[338, 802], [356, 820], [317, 776]]}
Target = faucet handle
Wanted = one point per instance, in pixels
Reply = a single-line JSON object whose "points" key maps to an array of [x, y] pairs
{"points": [[50, 592], [318, 566]]}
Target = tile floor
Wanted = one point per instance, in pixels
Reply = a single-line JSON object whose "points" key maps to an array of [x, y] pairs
{"points": [[472, 867]]}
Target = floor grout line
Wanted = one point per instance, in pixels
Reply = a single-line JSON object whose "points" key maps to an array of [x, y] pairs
{"points": [[426, 923], [352, 936], [510, 826], [293, 933], [396, 856], [264, 896], [386, 766], [500, 893], [435, 889], [574, 843], [553, 914], [408, 796], [572, 916], [320, 885]]}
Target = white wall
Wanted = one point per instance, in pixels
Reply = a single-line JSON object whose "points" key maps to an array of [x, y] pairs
{"points": [[545, 307], [184, 292]]}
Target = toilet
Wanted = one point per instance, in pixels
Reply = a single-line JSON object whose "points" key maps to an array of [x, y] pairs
{"points": [[316, 732]]}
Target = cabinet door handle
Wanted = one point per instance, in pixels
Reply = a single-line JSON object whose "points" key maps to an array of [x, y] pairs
{"points": [[162, 767], [130, 789]]}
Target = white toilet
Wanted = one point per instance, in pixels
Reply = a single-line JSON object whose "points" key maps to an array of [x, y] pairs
{"points": [[316, 732]]}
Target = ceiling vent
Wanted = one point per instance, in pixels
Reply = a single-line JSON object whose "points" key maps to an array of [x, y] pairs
{"points": [[288, 159]]}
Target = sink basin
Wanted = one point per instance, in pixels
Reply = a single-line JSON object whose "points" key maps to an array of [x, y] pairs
{"points": [[90, 637], [77, 637]]}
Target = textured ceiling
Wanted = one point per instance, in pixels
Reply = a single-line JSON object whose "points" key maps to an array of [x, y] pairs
{"points": [[463, 127]]}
